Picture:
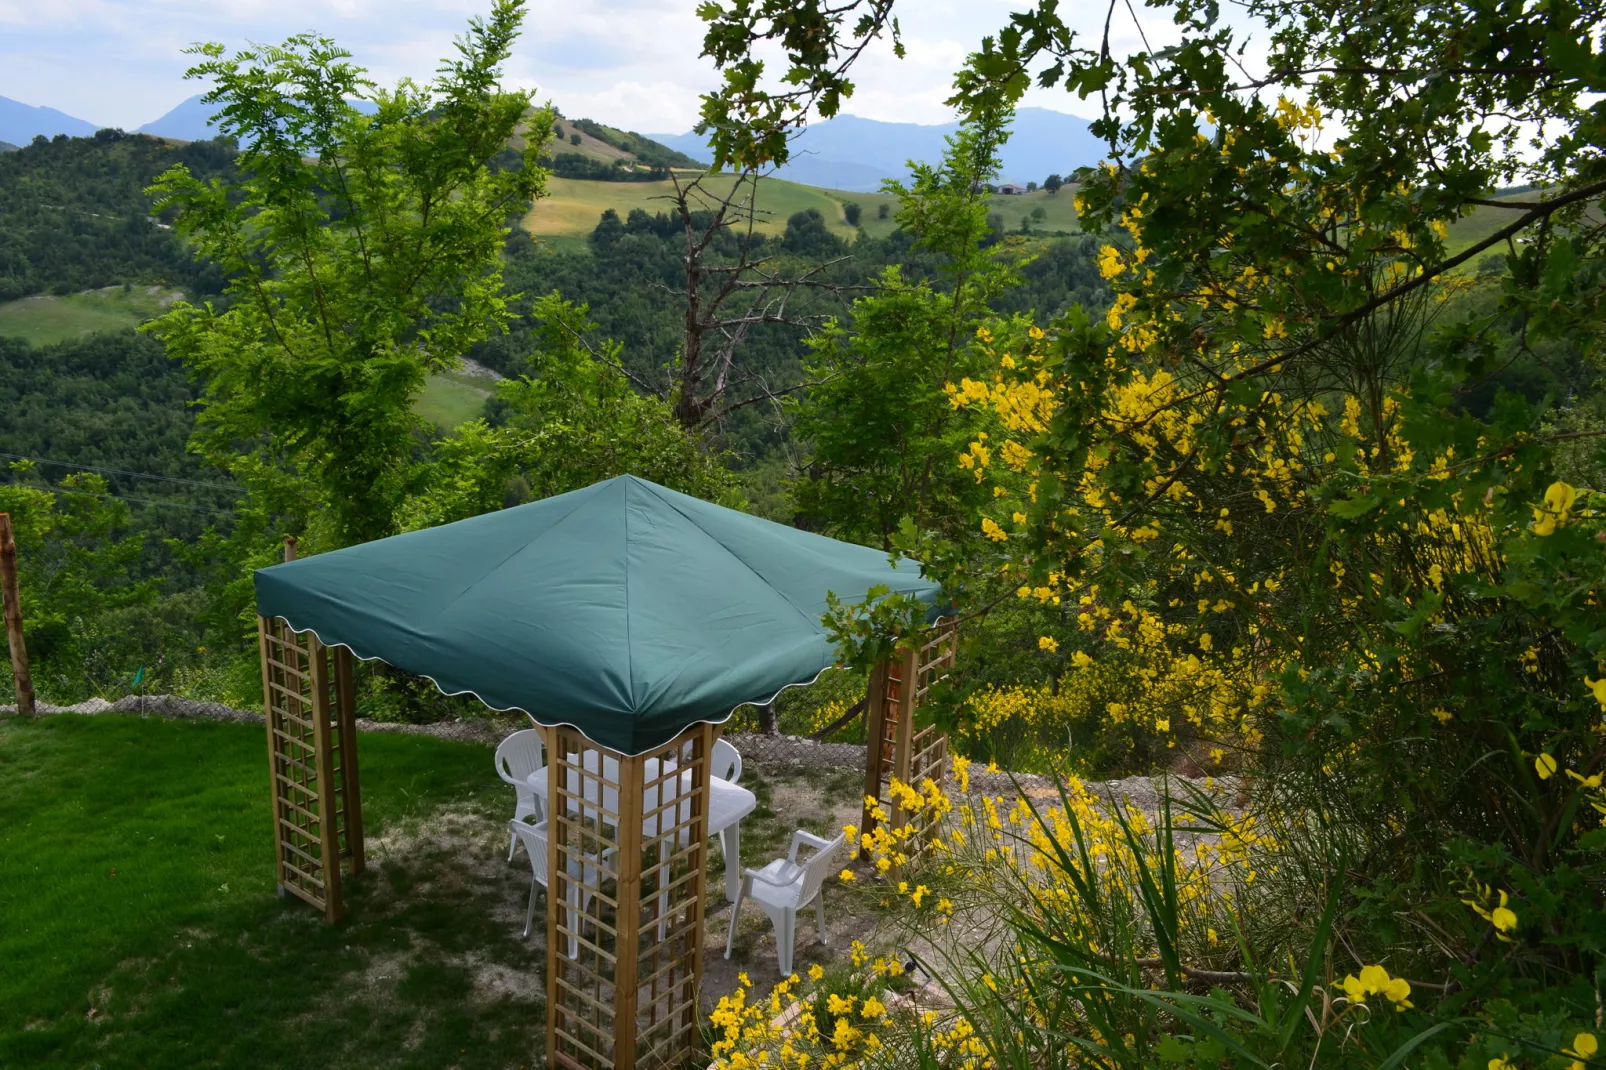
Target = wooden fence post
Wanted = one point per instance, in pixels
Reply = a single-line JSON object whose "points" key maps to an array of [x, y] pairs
{"points": [[13, 615]]}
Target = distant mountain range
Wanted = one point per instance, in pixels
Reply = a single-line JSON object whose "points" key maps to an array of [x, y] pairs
{"points": [[20, 123], [852, 153], [190, 121], [846, 153]]}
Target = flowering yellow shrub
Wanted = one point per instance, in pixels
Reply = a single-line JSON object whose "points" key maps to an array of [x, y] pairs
{"points": [[1039, 887]]}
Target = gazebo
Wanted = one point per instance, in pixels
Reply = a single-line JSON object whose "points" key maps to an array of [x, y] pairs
{"points": [[628, 621]]}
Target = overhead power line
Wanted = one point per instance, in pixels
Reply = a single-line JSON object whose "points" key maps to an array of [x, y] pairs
{"points": [[124, 472], [126, 498]]}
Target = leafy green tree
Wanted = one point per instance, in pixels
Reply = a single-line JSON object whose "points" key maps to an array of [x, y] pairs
{"points": [[363, 252], [877, 419], [1053, 183], [76, 569], [852, 211]]}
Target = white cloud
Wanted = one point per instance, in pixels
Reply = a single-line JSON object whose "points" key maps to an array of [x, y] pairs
{"points": [[632, 63]]}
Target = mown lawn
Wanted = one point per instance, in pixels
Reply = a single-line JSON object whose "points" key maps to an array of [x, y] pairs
{"points": [[139, 927]]}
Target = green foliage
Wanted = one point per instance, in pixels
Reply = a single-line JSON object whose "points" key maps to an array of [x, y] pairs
{"points": [[1288, 517], [574, 421], [362, 255], [76, 580], [876, 414]]}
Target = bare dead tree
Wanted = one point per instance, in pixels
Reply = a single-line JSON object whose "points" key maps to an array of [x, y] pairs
{"points": [[726, 296]]}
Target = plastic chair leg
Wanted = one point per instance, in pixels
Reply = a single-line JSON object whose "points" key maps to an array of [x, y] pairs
{"points": [[785, 939], [512, 844], [736, 908], [819, 915], [529, 915]]}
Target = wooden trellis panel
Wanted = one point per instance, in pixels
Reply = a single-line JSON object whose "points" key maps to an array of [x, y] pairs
{"points": [[627, 842], [312, 764], [896, 749]]}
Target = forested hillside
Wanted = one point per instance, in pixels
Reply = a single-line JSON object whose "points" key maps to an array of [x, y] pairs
{"points": [[74, 214]]}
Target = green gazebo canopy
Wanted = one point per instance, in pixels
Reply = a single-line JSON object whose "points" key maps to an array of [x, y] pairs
{"points": [[625, 609]]}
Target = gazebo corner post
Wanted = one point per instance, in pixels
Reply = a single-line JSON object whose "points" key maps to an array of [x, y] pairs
{"points": [[263, 626], [690, 993], [323, 729], [306, 787], [895, 749], [627, 945], [557, 832], [630, 832], [350, 779]]}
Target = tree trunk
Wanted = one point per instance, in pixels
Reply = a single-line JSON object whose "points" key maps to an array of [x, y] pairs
{"points": [[13, 616]]}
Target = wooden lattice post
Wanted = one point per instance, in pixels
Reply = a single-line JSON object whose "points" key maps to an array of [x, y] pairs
{"points": [[350, 783], [895, 748], [906, 666], [312, 765], [627, 854], [875, 750], [311, 713]]}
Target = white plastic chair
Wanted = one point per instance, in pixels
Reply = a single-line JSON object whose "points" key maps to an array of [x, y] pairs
{"points": [[783, 888], [535, 845], [517, 757], [725, 762]]}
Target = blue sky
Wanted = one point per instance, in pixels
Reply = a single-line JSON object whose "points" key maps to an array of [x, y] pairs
{"points": [[632, 63]]}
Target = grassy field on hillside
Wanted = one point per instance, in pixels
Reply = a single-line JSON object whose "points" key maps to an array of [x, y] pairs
{"points": [[574, 206], [44, 320], [451, 398]]}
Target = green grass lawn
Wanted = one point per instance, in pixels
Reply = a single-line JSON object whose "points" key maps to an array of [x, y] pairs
{"points": [[450, 398], [44, 320], [139, 928]]}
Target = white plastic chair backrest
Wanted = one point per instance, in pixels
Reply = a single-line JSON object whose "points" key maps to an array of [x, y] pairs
{"points": [[534, 840], [519, 755], [725, 762], [816, 869]]}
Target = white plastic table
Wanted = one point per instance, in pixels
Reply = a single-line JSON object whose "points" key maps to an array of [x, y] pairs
{"points": [[727, 804]]}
